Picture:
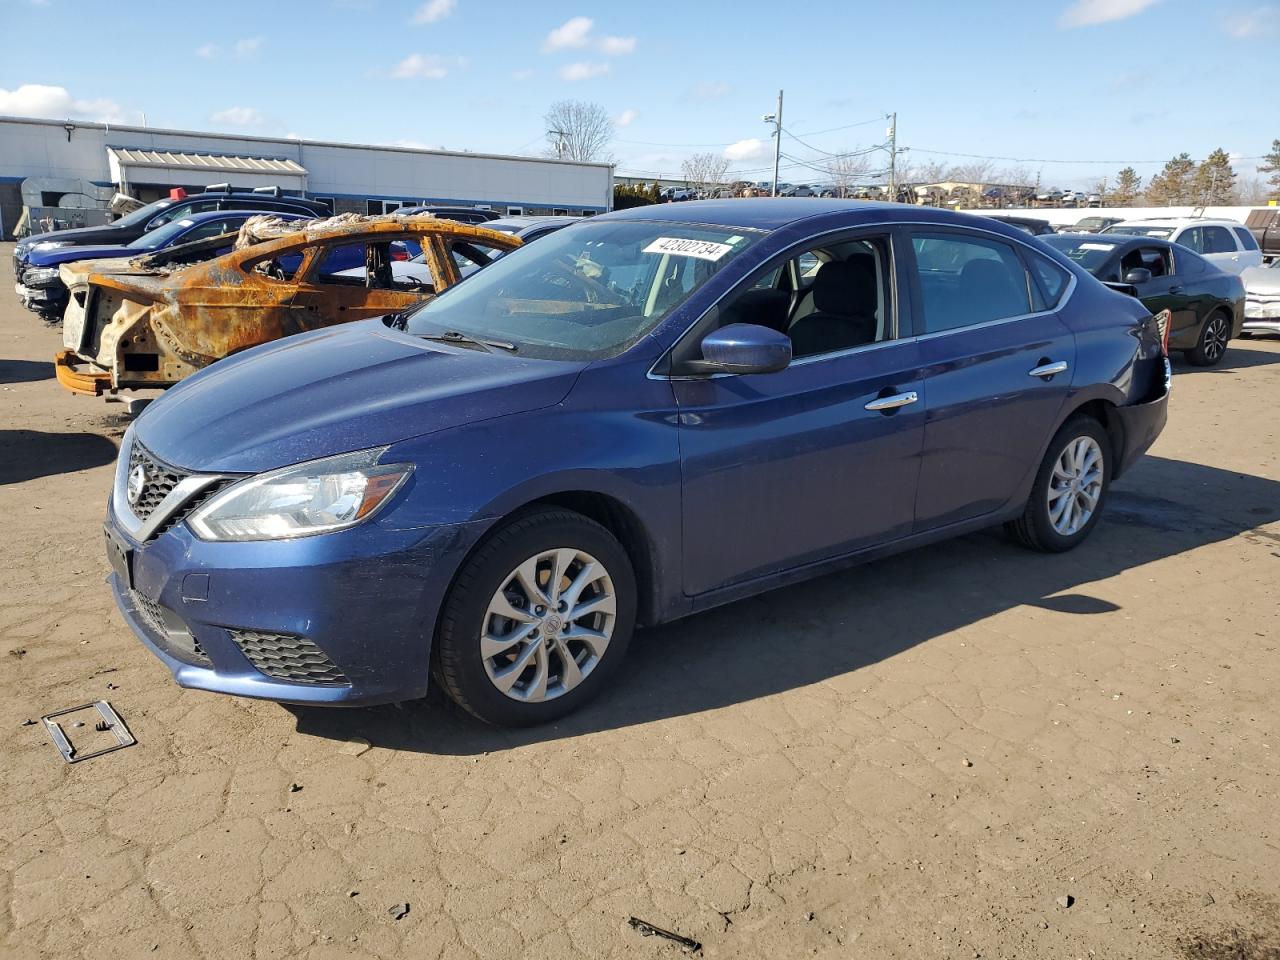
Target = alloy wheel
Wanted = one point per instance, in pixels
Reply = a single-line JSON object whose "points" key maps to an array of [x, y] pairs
{"points": [[1215, 338], [548, 625], [1075, 486]]}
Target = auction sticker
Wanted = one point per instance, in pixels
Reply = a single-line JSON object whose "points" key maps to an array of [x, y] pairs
{"points": [[683, 247]]}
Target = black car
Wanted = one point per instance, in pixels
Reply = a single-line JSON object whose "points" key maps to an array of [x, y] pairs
{"points": [[157, 214], [1206, 304], [1031, 225], [470, 215]]}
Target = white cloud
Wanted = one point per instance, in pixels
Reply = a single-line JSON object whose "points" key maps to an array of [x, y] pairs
{"points": [[239, 117], [248, 47], [208, 51], [583, 70], [41, 100], [522, 75], [709, 91], [1259, 22], [626, 118], [429, 66], [571, 34], [434, 10], [1087, 13], [753, 148], [617, 46]]}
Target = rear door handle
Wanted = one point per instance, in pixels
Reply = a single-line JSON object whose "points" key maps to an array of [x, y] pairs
{"points": [[884, 404], [1047, 370]]}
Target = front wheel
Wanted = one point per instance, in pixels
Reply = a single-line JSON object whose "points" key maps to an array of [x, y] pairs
{"points": [[1069, 490], [537, 619], [1211, 345]]}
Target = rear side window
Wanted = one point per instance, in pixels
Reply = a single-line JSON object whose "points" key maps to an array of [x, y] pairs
{"points": [[1051, 279], [1218, 240], [1246, 237], [966, 280]]}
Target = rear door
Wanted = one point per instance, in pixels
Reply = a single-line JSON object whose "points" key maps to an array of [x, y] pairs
{"points": [[998, 363], [1222, 249]]}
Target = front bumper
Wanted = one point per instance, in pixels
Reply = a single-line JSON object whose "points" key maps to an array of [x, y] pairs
{"points": [[364, 601], [69, 369], [43, 300], [1262, 315]]}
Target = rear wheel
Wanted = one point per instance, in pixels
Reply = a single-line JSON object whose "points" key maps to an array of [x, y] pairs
{"points": [[537, 620], [1069, 490], [1211, 346]]}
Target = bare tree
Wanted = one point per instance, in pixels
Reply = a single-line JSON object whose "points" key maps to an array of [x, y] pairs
{"points": [[578, 130], [975, 171], [705, 172], [1251, 190], [846, 170]]}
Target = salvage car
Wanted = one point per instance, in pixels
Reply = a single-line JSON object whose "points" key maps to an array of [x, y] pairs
{"points": [[1206, 304], [644, 415], [140, 325], [157, 214], [1262, 299], [43, 291]]}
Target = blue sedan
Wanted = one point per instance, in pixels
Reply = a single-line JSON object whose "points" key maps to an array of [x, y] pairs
{"points": [[43, 291], [636, 418]]}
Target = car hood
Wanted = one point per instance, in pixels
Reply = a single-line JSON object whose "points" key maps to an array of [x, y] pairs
{"points": [[331, 391], [108, 233], [1264, 280], [51, 258]]}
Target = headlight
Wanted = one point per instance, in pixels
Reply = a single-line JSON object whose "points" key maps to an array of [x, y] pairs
{"points": [[302, 500], [39, 276], [52, 244]]}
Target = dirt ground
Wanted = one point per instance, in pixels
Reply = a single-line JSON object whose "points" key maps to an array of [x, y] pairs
{"points": [[916, 759]]}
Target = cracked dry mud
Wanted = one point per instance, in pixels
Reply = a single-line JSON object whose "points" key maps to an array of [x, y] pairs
{"points": [[784, 777]]}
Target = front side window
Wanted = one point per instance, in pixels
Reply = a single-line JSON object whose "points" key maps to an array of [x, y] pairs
{"points": [[968, 280], [183, 210], [585, 292], [1192, 239], [1155, 259]]}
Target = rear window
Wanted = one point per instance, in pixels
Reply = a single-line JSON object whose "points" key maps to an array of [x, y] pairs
{"points": [[1246, 237], [1160, 233]]}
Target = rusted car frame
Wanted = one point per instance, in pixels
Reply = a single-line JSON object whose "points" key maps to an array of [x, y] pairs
{"points": [[142, 324]]}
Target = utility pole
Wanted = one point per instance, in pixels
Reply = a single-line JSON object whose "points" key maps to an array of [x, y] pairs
{"points": [[893, 155], [776, 120], [559, 135]]}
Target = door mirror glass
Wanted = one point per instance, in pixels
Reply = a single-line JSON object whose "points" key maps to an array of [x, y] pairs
{"points": [[743, 348], [1138, 276]]}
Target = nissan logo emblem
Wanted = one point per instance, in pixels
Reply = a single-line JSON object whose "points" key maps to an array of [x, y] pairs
{"points": [[137, 480]]}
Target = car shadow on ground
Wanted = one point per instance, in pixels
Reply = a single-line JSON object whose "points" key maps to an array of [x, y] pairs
{"points": [[1236, 358], [25, 371], [27, 454], [840, 623]]}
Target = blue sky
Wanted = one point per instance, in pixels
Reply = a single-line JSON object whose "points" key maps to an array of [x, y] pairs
{"points": [[1107, 82]]}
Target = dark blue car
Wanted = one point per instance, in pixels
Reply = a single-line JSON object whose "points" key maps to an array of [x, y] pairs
{"points": [[638, 417], [43, 291]]}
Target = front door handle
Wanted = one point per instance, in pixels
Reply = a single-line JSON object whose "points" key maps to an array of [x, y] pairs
{"points": [[1047, 370], [890, 403], [1176, 289]]}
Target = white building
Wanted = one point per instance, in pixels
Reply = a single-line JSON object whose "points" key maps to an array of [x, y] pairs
{"points": [[75, 164]]}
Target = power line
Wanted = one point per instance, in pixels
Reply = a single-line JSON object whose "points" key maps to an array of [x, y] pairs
{"points": [[983, 156]]}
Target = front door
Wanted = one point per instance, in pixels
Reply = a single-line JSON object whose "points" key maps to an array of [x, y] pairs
{"points": [[999, 370], [354, 281], [819, 459]]}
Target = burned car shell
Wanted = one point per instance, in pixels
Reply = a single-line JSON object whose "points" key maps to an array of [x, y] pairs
{"points": [[143, 324]]}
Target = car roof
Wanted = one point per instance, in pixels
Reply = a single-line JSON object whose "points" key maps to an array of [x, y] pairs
{"points": [[1176, 222], [772, 213], [207, 215]]}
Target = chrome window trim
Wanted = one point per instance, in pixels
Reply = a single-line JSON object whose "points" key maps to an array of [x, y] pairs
{"points": [[652, 373]]}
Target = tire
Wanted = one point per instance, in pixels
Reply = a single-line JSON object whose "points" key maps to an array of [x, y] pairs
{"points": [[1211, 345], [492, 582], [1037, 528]]}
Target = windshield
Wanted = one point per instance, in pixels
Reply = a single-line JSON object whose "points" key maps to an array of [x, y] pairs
{"points": [[162, 236], [143, 214], [1090, 254], [585, 292], [1160, 233]]}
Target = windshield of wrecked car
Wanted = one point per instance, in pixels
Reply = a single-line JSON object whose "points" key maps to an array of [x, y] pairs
{"points": [[1090, 254], [143, 214], [586, 292], [1160, 233]]}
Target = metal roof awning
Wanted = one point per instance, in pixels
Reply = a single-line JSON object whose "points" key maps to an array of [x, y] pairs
{"points": [[172, 166]]}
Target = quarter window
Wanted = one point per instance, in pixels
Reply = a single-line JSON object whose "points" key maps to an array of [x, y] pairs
{"points": [[967, 280], [1052, 280]]}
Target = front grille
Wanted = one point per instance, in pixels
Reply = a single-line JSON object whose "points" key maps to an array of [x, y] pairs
{"points": [[160, 481], [287, 657], [180, 641]]}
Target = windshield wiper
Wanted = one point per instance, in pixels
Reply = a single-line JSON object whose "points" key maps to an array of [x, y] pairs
{"points": [[453, 336]]}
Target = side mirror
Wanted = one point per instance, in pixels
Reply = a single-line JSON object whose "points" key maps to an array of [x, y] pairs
{"points": [[743, 348], [1138, 276]]}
